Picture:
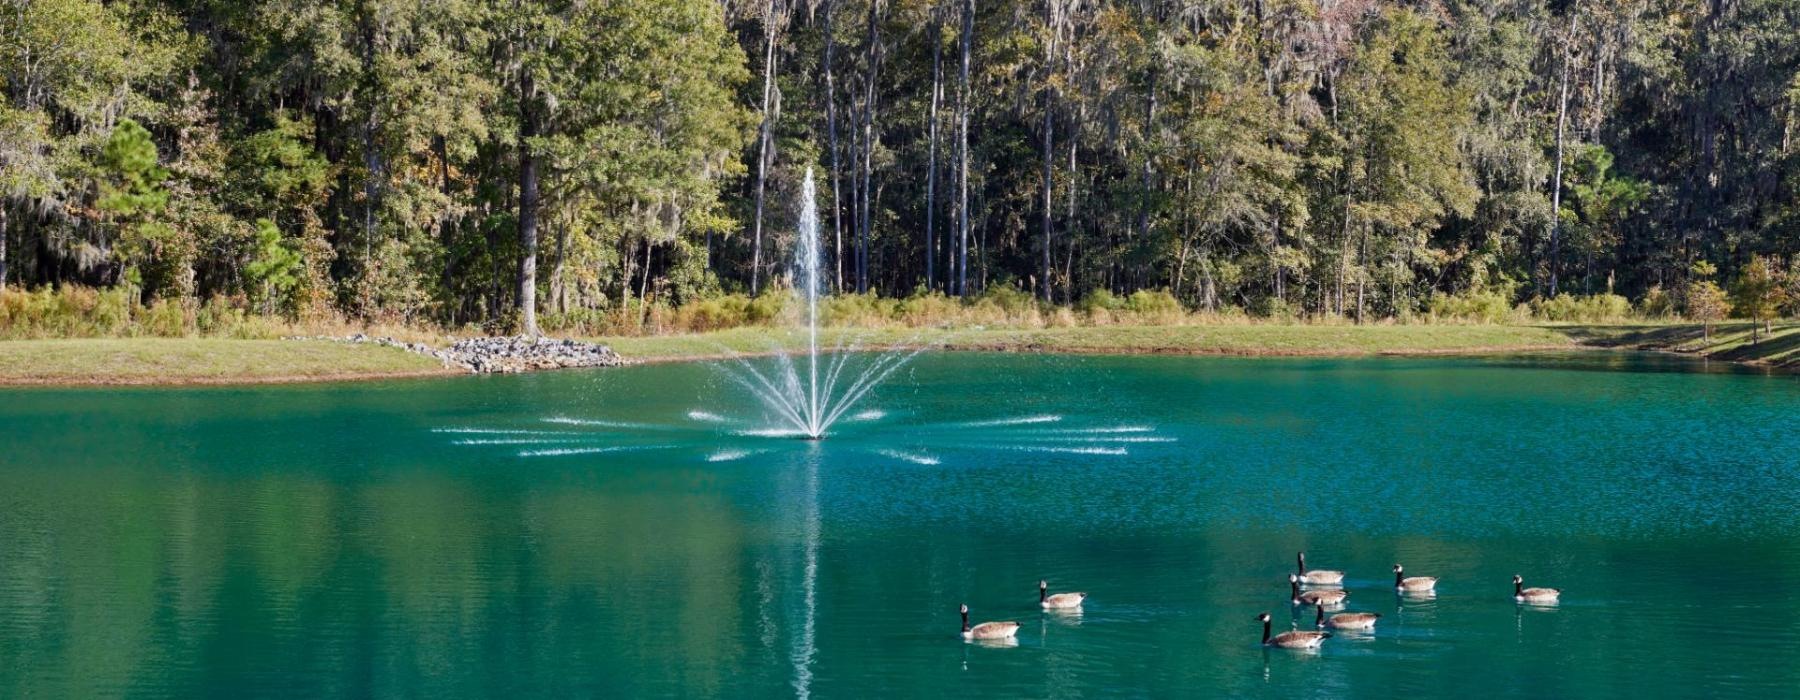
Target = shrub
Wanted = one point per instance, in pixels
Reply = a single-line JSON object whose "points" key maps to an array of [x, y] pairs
{"points": [[1098, 302], [929, 308], [164, 319], [1473, 306], [65, 312], [1657, 303], [1007, 298], [1146, 301], [1590, 309]]}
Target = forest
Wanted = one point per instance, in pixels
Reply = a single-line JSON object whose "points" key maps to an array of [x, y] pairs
{"points": [[514, 164]]}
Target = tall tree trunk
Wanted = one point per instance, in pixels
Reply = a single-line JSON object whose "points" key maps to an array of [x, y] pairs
{"points": [[1562, 119], [831, 118], [1050, 24], [1362, 273], [962, 155], [644, 287], [559, 290], [764, 140], [1143, 223], [529, 127], [937, 94], [868, 164], [371, 158], [3, 234], [1074, 180]]}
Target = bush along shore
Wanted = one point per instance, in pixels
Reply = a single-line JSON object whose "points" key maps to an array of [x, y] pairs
{"points": [[497, 355]]}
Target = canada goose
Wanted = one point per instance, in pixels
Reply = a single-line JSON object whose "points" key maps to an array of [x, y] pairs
{"points": [[1060, 601], [1413, 584], [1330, 597], [987, 630], [1320, 577], [1347, 621], [1297, 639], [1541, 596]]}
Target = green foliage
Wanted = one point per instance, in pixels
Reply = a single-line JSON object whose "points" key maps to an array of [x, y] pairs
{"points": [[1657, 303], [1598, 308], [1757, 294], [1705, 302], [1307, 160], [67, 312], [1099, 301], [275, 267], [1489, 306]]}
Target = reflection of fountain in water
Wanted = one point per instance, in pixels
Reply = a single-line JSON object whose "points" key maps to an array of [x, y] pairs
{"points": [[805, 645]]}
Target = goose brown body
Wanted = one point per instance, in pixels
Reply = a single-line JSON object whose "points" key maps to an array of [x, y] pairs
{"points": [[1347, 621], [987, 630], [1329, 597], [1058, 601], [1317, 577], [1413, 584], [1297, 639], [1539, 596]]}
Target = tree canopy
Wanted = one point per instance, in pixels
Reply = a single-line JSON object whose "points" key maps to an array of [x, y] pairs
{"points": [[412, 160]]}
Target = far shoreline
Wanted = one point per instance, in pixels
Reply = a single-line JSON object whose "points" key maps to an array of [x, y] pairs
{"points": [[153, 362]]}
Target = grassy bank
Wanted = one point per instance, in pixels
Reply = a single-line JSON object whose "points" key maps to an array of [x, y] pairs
{"points": [[218, 360], [1731, 342], [1237, 339], [200, 361]]}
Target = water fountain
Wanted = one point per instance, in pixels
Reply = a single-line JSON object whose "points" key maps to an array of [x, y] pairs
{"points": [[808, 404], [806, 395]]}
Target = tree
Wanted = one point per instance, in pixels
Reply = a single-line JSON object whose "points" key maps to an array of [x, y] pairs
{"points": [[132, 197], [1705, 301], [274, 266], [1757, 294]]}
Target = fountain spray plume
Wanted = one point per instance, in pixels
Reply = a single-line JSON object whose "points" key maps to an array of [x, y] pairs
{"points": [[808, 402]]}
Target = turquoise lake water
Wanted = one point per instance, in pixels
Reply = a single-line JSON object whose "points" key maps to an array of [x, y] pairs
{"points": [[625, 533]]}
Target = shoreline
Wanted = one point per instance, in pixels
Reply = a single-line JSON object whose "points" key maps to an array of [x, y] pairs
{"points": [[197, 362]]}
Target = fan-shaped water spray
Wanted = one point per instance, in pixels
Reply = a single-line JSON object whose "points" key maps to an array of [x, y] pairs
{"points": [[806, 402], [806, 394]]}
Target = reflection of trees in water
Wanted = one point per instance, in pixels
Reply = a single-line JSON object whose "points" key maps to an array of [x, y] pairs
{"points": [[427, 583]]}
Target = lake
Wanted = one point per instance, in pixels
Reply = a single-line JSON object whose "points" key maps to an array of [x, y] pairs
{"points": [[630, 532]]}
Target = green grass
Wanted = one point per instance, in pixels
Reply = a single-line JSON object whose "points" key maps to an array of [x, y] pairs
{"points": [[1732, 341], [200, 361], [1240, 339], [215, 360]]}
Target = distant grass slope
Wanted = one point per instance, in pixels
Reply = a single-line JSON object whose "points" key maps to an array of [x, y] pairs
{"points": [[1247, 339], [1730, 341], [200, 361]]}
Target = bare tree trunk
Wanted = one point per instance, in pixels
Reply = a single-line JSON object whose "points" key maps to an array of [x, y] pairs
{"points": [[559, 291], [3, 234], [371, 159], [1143, 226], [937, 94], [1074, 180], [837, 215], [1362, 276], [1187, 232], [962, 155], [1562, 118], [1051, 24], [528, 206], [763, 143], [868, 150], [644, 287]]}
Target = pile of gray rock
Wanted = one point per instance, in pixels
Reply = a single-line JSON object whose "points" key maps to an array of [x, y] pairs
{"points": [[521, 354], [501, 355]]}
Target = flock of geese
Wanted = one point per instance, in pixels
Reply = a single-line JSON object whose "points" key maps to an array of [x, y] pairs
{"points": [[1324, 589]]}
